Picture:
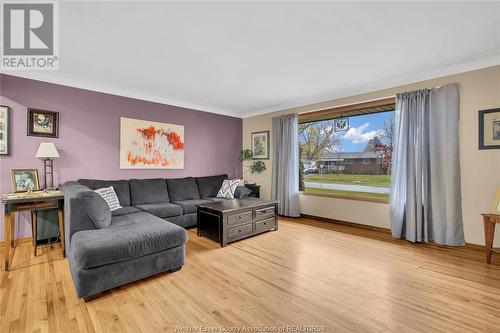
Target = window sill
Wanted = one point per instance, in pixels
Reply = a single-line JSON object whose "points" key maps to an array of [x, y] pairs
{"points": [[346, 197]]}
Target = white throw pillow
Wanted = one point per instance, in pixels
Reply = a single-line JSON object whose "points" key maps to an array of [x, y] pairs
{"points": [[228, 188], [109, 195]]}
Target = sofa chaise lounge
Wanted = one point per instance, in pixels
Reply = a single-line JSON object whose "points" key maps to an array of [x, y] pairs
{"points": [[144, 237]]}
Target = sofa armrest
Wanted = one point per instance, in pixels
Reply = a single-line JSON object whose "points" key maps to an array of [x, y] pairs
{"points": [[75, 217], [242, 192]]}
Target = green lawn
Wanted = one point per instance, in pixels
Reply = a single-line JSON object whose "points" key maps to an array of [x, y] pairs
{"points": [[347, 193], [370, 180]]}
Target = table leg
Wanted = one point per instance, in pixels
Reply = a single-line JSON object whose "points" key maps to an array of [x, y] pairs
{"points": [[33, 228], [489, 235], [34, 220], [8, 245], [60, 219], [12, 228]]}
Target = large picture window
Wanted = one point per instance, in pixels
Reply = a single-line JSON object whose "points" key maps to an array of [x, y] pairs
{"points": [[347, 152]]}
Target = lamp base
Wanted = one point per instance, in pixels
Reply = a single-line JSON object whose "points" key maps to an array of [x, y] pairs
{"points": [[48, 168]]}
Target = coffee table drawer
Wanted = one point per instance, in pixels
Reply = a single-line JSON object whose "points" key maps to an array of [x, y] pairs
{"points": [[265, 225], [240, 231], [238, 219], [262, 213]]}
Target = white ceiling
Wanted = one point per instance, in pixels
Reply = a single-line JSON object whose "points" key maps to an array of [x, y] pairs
{"points": [[245, 58]]}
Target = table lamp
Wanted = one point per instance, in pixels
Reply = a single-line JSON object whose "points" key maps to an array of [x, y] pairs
{"points": [[47, 151]]}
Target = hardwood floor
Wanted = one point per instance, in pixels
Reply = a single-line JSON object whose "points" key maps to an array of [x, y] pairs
{"points": [[308, 273]]}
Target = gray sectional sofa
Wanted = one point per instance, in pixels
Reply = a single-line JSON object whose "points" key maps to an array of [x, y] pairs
{"points": [[143, 238]]}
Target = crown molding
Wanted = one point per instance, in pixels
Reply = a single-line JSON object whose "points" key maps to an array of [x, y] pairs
{"points": [[465, 65], [468, 64], [65, 80]]}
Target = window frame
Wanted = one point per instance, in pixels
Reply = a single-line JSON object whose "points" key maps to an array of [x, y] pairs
{"points": [[349, 110]]}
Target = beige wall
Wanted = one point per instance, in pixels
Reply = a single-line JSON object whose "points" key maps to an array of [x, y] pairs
{"points": [[480, 169]]}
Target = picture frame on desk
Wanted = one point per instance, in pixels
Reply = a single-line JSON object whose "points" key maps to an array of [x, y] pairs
{"points": [[25, 180]]}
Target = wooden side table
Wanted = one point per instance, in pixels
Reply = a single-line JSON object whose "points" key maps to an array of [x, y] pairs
{"points": [[33, 202], [490, 220], [255, 190]]}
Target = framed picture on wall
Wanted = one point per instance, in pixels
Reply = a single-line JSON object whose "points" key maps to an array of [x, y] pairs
{"points": [[24, 180], [489, 129], [43, 123], [4, 130], [260, 145]]}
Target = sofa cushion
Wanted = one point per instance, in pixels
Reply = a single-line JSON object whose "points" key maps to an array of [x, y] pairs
{"points": [[96, 208], [125, 210], [146, 191], [75, 219], [161, 209], [189, 206], [128, 237], [121, 187], [182, 189], [185, 220], [209, 186]]}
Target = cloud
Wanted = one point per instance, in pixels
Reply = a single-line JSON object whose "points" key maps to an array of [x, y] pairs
{"points": [[359, 135]]}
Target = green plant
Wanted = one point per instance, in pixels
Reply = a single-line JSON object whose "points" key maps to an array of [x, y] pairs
{"points": [[255, 167], [246, 155]]}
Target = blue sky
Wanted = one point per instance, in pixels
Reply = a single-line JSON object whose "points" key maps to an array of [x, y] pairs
{"points": [[362, 129]]}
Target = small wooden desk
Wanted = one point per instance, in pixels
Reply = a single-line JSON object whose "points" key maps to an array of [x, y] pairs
{"points": [[33, 202], [490, 220]]}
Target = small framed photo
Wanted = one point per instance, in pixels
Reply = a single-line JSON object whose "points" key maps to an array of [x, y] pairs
{"points": [[341, 124], [260, 145], [4, 130], [495, 206], [43, 123], [489, 129], [24, 180]]}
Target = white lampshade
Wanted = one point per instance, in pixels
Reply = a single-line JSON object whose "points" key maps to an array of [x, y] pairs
{"points": [[47, 150]]}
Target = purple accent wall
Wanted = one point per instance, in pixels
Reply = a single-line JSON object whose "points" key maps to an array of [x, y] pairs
{"points": [[89, 136]]}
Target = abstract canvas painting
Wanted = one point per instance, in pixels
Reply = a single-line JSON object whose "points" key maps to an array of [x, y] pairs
{"points": [[151, 145]]}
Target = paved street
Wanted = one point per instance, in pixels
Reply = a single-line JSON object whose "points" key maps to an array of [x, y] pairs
{"points": [[345, 187]]}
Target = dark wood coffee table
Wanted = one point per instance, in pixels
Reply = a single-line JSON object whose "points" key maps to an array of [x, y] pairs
{"points": [[231, 220]]}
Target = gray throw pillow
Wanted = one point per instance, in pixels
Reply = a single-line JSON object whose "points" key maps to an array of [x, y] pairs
{"points": [[96, 208]]}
